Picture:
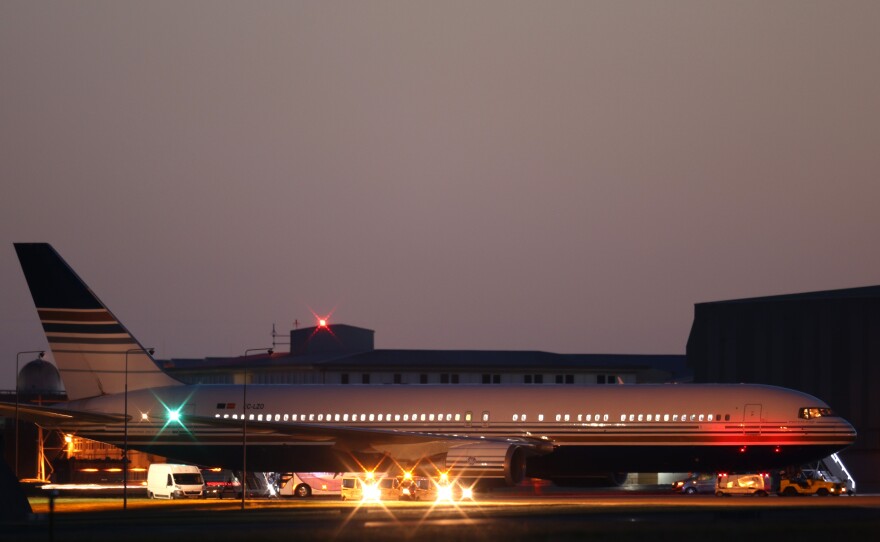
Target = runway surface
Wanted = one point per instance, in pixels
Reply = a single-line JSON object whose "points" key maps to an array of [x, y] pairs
{"points": [[617, 516]]}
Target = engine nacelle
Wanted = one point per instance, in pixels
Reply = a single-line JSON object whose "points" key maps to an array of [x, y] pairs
{"points": [[488, 460]]}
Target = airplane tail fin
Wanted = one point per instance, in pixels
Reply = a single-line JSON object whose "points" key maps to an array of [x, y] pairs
{"points": [[88, 343]]}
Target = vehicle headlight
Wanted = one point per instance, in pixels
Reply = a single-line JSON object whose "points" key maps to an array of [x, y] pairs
{"points": [[371, 492], [444, 493]]}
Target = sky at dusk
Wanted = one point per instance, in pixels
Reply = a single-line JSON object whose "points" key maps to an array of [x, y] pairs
{"points": [[559, 176]]}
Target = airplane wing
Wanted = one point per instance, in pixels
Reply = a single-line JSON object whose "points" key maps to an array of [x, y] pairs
{"points": [[49, 416], [396, 442], [344, 438]]}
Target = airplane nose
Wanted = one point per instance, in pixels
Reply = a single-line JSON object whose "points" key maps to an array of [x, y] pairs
{"points": [[850, 431]]}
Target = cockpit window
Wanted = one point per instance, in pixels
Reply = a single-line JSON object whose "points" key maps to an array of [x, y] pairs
{"points": [[808, 413]]}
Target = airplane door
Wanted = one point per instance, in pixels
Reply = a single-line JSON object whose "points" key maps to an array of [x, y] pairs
{"points": [[752, 418]]}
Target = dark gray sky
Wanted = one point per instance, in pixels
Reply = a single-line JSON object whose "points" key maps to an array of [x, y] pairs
{"points": [[562, 176]]}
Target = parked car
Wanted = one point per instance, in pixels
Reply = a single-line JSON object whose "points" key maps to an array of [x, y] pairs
{"points": [[221, 483], [703, 482]]}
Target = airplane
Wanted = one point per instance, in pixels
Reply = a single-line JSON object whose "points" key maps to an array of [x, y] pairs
{"points": [[118, 394]]}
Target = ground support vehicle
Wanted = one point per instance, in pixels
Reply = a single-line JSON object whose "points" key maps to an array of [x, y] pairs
{"points": [[742, 484], [814, 484]]}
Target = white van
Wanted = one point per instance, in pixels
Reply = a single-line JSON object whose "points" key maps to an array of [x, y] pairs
{"points": [[170, 481]]}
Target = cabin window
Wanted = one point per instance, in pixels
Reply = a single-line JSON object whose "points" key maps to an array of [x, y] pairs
{"points": [[540, 417], [641, 417], [649, 417], [457, 416], [516, 417]]}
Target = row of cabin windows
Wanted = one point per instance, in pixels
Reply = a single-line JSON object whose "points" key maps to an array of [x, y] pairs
{"points": [[468, 417], [431, 417], [453, 378]]}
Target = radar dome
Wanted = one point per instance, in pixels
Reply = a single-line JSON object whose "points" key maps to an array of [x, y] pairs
{"points": [[40, 377]]}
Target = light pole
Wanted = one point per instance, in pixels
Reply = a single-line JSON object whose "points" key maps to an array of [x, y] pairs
{"points": [[244, 424], [125, 430], [17, 356]]}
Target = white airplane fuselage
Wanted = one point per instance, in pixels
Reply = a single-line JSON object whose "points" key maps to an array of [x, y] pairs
{"points": [[588, 429]]}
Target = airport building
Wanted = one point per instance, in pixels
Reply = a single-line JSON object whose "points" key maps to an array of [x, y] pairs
{"points": [[824, 343], [343, 354]]}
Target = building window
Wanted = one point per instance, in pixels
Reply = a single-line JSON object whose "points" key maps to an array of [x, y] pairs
{"points": [[527, 379], [539, 379], [398, 378], [455, 379], [496, 379], [365, 378], [423, 378], [444, 378], [569, 379], [600, 379], [343, 378], [487, 379]]}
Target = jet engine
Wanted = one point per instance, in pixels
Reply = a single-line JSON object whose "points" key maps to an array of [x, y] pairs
{"points": [[489, 460]]}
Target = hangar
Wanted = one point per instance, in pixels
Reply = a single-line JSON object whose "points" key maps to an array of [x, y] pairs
{"points": [[824, 343]]}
